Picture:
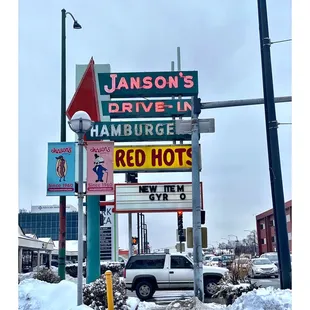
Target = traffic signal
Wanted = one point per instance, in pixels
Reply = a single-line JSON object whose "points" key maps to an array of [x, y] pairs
{"points": [[197, 106], [131, 177], [134, 240], [203, 217], [180, 223]]}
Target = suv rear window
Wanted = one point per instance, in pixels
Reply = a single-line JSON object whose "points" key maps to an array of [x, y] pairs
{"points": [[146, 262]]}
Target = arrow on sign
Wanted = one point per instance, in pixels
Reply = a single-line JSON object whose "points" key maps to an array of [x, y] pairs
{"points": [[85, 97]]}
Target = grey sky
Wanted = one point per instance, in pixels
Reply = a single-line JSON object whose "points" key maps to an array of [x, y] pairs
{"points": [[217, 38]]}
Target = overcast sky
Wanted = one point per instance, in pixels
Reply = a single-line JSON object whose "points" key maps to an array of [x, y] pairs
{"points": [[220, 39]]}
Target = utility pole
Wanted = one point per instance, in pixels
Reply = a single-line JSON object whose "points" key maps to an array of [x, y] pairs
{"points": [[273, 151], [196, 203]]}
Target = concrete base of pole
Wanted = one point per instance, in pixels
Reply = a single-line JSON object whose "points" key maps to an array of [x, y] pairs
{"points": [[93, 239]]}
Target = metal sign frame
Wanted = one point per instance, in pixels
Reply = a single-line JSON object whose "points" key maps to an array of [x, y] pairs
{"points": [[152, 210]]}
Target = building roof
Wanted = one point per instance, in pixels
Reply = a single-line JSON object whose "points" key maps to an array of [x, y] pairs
{"points": [[71, 245], [269, 212]]}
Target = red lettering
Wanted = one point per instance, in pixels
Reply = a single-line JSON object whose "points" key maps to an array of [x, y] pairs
{"points": [[140, 158], [122, 83], [173, 81], [135, 83], [162, 83], [188, 81], [129, 158], [119, 158], [115, 106], [159, 106], [148, 108], [127, 107], [168, 157], [147, 81], [157, 157], [189, 154], [180, 153]]}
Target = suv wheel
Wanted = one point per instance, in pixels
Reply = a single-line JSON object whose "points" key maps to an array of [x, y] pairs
{"points": [[210, 286], [144, 290]]}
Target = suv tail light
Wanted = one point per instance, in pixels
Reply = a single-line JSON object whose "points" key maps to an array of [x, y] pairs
{"points": [[124, 273]]}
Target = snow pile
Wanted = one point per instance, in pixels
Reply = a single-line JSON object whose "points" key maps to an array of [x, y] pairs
{"points": [[135, 304], [264, 299], [193, 303], [38, 295]]}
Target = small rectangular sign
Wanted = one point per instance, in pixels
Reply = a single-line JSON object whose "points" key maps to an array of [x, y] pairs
{"points": [[206, 125], [61, 169], [148, 84], [147, 108], [153, 158], [154, 197], [135, 131], [100, 168]]}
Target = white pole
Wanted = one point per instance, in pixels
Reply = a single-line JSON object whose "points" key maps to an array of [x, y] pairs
{"points": [[80, 221]]}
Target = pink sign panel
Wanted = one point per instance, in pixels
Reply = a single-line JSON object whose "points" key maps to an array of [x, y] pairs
{"points": [[100, 156]]}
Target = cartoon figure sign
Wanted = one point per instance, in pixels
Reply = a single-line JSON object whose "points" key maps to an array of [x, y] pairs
{"points": [[100, 168], [61, 169]]}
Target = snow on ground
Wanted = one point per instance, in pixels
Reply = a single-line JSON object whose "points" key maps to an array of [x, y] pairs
{"points": [[264, 299], [38, 295]]}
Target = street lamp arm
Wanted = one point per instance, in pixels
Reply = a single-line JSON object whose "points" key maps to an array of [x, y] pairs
{"points": [[71, 16]]}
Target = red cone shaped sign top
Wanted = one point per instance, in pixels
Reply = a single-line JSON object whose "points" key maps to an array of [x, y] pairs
{"points": [[85, 97]]}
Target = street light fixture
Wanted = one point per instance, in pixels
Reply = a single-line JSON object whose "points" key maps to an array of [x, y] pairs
{"points": [[62, 199], [80, 123]]}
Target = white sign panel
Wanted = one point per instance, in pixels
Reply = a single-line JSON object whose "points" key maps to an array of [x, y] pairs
{"points": [[154, 197], [51, 209]]}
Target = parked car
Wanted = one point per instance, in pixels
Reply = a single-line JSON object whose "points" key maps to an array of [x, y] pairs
{"points": [[227, 260], [149, 273], [241, 263], [272, 256], [262, 267], [207, 258], [215, 261]]}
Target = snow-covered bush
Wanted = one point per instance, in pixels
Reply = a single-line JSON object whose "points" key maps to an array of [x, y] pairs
{"points": [[47, 275], [229, 289], [95, 294]]}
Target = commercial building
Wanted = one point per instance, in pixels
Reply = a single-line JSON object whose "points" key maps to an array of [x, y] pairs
{"points": [[265, 226], [33, 251], [43, 221]]}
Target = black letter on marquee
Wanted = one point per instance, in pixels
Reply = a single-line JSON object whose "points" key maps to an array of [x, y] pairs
{"points": [[182, 196]]}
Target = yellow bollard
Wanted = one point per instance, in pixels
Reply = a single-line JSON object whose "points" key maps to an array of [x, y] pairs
{"points": [[110, 299]]}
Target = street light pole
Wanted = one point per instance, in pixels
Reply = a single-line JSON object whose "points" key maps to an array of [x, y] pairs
{"points": [[62, 199], [277, 194], [80, 124]]}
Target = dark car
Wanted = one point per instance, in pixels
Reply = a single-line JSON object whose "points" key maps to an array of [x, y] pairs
{"points": [[227, 259]]}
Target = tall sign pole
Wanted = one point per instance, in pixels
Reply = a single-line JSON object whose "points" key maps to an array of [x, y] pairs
{"points": [[196, 203], [273, 151]]}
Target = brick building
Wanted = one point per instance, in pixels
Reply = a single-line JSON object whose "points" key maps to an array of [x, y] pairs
{"points": [[265, 227]]}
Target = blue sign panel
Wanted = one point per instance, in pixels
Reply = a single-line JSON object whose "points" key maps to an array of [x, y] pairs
{"points": [[61, 169]]}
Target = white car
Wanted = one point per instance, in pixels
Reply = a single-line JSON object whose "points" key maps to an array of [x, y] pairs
{"points": [[215, 261], [207, 258], [262, 267], [149, 273]]}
